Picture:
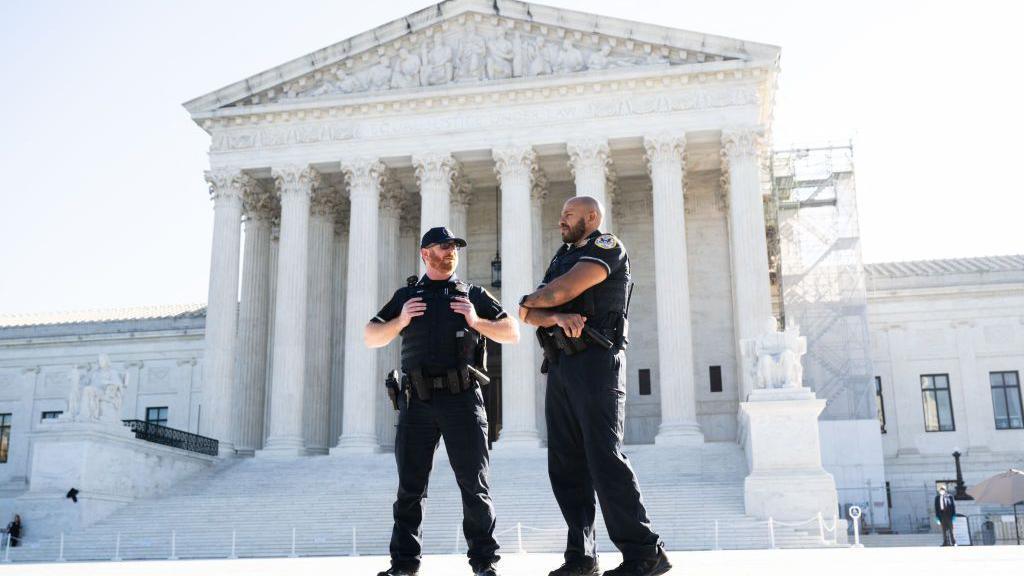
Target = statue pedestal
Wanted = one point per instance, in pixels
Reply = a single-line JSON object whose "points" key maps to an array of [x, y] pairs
{"points": [[779, 432], [106, 464]]}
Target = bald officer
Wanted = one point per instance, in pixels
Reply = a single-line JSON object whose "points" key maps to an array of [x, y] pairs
{"points": [[579, 310]]}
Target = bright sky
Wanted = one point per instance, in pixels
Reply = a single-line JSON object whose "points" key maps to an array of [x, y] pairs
{"points": [[104, 203]]}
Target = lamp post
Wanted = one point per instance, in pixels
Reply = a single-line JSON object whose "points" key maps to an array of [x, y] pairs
{"points": [[961, 489]]}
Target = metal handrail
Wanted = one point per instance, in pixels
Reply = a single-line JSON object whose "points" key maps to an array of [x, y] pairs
{"points": [[173, 437]]}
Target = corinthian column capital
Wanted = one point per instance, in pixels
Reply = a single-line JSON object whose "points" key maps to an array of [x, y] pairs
{"points": [[462, 191], [259, 203], [324, 201], [392, 196], [229, 184], [539, 189], [589, 155], [436, 167], [742, 143], [520, 161], [296, 180], [364, 175], [664, 148]]}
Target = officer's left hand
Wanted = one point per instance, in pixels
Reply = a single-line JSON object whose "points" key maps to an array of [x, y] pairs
{"points": [[463, 306]]}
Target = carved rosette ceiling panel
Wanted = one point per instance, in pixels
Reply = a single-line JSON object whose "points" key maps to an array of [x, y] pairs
{"points": [[474, 48]]}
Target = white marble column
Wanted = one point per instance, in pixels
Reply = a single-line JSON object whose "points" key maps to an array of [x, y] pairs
{"points": [[748, 246], [359, 427], [227, 188], [672, 289], [253, 324], [538, 193], [590, 162], [462, 195], [515, 167], [275, 244], [317, 395], [388, 357], [435, 174], [296, 185], [339, 287]]}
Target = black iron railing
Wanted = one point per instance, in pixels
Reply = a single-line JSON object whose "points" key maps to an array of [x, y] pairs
{"points": [[172, 437]]}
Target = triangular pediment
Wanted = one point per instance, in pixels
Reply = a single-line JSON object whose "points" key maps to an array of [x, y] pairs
{"points": [[466, 42]]}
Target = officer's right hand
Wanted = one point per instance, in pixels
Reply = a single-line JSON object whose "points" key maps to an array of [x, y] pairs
{"points": [[412, 308], [571, 324]]}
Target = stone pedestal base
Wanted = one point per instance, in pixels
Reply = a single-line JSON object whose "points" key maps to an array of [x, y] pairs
{"points": [[356, 445], [779, 431], [518, 441], [106, 464], [679, 434]]}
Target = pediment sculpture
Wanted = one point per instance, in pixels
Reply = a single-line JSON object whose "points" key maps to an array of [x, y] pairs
{"points": [[474, 56]]}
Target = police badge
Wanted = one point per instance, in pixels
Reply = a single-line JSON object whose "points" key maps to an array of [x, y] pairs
{"points": [[606, 241]]}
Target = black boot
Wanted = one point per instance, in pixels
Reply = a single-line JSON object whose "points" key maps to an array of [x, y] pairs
{"points": [[579, 568], [646, 567], [398, 571]]}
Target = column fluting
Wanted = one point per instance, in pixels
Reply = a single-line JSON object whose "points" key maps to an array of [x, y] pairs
{"points": [[672, 290], [316, 397]]}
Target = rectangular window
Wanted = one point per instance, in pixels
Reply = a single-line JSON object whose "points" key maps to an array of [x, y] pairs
{"points": [[880, 403], [1006, 403], [5, 436], [715, 372], [645, 382], [51, 415], [938, 405], [157, 415]]}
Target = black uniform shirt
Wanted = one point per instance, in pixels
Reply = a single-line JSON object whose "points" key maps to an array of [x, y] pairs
{"points": [[609, 295], [487, 307]]}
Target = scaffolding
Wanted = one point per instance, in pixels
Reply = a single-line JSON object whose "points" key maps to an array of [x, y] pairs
{"points": [[818, 274]]}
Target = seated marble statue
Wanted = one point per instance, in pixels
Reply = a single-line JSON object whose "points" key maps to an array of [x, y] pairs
{"points": [[96, 395], [776, 356]]}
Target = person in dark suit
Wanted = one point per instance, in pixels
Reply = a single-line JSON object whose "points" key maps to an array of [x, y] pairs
{"points": [[945, 509]]}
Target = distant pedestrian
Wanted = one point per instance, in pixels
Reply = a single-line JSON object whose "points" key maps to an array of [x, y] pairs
{"points": [[945, 509], [14, 530]]}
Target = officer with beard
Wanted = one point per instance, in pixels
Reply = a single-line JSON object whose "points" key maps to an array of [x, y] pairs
{"points": [[579, 310], [441, 320]]}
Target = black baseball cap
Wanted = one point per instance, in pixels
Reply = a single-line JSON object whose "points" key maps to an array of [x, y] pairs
{"points": [[440, 235]]}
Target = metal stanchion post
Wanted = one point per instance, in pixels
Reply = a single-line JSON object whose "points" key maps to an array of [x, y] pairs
{"points": [[60, 558], [355, 548], [771, 532], [117, 549], [233, 554], [519, 537], [717, 547], [7, 549], [821, 528], [174, 545], [456, 551], [855, 513], [293, 554]]}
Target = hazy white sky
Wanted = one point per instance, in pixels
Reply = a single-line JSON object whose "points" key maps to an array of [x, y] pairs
{"points": [[104, 204]]}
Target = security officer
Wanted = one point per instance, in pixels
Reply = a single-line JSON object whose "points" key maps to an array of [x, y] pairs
{"points": [[580, 310], [441, 320]]}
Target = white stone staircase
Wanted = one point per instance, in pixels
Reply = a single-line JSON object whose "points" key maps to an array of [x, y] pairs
{"points": [[325, 498]]}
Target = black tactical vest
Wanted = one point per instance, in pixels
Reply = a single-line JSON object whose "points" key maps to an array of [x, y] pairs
{"points": [[439, 339]]}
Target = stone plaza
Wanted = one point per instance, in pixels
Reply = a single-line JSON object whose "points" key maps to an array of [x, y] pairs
{"points": [[772, 375]]}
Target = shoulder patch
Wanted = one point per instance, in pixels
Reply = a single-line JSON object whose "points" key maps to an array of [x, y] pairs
{"points": [[606, 241]]}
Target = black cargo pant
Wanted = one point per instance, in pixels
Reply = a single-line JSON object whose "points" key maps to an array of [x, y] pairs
{"points": [[585, 412], [462, 420]]}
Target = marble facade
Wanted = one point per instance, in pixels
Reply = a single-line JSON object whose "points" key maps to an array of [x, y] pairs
{"points": [[484, 122]]}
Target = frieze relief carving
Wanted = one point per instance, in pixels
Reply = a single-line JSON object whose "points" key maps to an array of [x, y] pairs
{"points": [[471, 53], [234, 139]]}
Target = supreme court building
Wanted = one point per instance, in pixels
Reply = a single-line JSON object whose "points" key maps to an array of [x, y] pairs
{"points": [[485, 117]]}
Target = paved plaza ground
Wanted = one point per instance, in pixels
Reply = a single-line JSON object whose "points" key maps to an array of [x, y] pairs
{"points": [[961, 561]]}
